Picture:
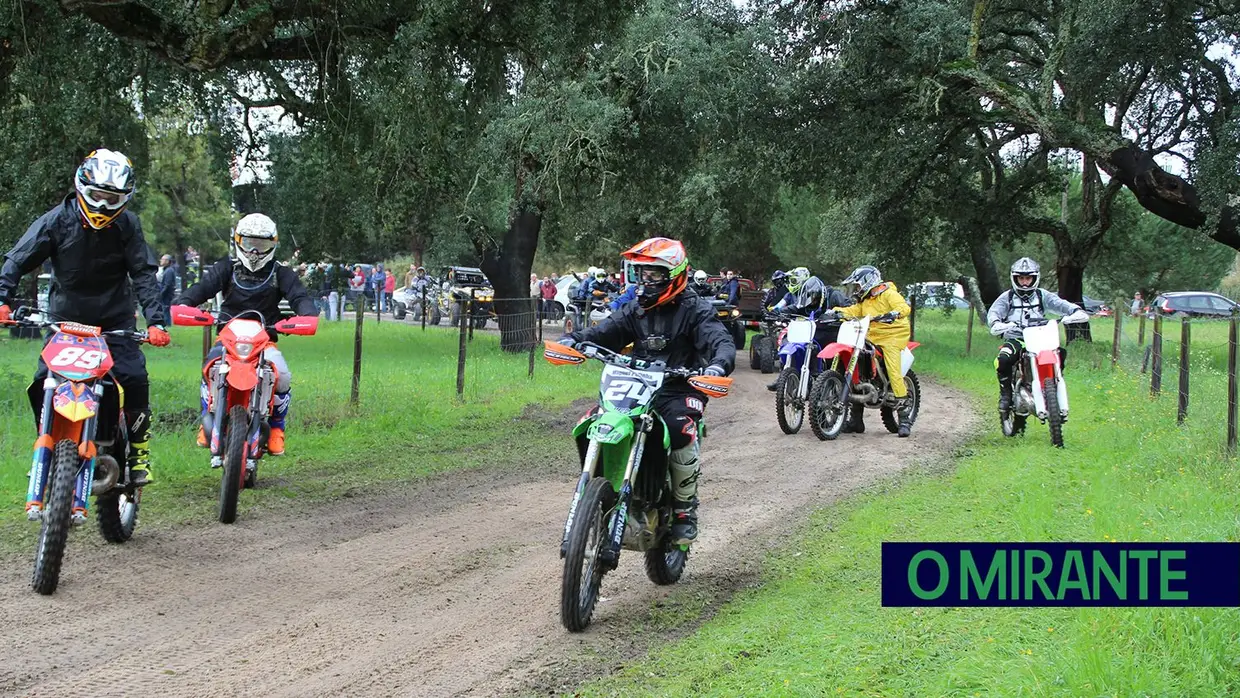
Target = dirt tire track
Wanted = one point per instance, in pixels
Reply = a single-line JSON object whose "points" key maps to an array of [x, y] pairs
{"points": [[451, 588]]}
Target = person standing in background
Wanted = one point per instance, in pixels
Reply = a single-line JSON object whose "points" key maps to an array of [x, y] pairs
{"points": [[1137, 303], [167, 277]]}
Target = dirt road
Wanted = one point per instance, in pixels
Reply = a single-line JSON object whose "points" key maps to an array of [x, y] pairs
{"points": [[451, 588]]}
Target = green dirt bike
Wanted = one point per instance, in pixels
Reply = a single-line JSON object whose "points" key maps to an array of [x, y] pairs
{"points": [[624, 495]]}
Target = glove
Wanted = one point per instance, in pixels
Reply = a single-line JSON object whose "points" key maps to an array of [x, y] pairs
{"points": [[566, 341], [158, 336], [1078, 316], [886, 317], [6, 313], [1000, 328], [714, 370]]}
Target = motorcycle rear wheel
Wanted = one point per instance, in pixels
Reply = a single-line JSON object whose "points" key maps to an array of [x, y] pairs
{"points": [[786, 394], [666, 562], [118, 514], [891, 419], [234, 463], [583, 571], [57, 510]]}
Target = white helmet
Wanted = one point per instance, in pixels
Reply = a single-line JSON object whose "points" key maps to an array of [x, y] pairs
{"points": [[105, 183], [699, 276], [1025, 267], [254, 241]]}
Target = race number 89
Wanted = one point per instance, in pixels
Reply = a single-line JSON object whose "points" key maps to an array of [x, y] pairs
{"points": [[78, 358]]}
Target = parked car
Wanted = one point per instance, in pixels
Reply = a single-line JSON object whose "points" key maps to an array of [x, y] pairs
{"points": [[933, 302], [1093, 306], [1195, 304]]}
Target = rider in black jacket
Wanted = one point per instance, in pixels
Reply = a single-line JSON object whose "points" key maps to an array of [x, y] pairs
{"points": [[97, 252], [254, 281], [674, 325]]}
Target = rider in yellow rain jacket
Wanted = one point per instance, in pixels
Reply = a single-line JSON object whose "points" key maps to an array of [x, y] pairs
{"points": [[877, 297]]}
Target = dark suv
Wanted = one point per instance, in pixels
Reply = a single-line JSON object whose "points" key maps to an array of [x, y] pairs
{"points": [[1195, 304]]}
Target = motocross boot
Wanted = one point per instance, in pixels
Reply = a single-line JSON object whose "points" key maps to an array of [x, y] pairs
{"points": [[905, 412], [139, 459], [773, 385], [1005, 394], [686, 470], [854, 419], [279, 410]]}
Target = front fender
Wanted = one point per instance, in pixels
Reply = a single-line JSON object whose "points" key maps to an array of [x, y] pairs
{"points": [[242, 376], [610, 428]]}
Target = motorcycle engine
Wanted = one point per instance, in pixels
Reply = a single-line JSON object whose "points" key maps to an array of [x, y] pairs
{"points": [[640, 530]]}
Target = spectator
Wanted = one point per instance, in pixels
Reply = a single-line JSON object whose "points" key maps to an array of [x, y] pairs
{"points": [[547, 291], [389, 287], [411, 275], [357, 289], [375, 285], [731, 287], [316, 285], [1137, 304], [167, 278]]}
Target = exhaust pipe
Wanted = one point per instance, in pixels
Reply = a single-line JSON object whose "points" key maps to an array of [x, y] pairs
{"points": [[107, 472]]}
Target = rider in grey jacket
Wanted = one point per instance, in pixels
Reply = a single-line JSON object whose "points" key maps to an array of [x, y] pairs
{"points": [[1016, 309]]}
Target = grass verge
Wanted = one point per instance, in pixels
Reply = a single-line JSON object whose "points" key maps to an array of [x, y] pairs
{"points": [[408, 424], [1129, 473]]}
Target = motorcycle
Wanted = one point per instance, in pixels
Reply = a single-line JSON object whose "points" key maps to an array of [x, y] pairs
{"points": [[240, 390], [1048, 400], [623, 498], [82, 448], [798, 352], [858, 379]]}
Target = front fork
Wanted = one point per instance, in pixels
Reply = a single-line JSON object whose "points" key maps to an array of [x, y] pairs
{"points": [[610, 555], [1061, 390], [40, 466]]}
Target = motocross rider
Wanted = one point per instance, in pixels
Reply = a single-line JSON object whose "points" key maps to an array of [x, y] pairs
{"points": [[97, 251], [1013, 310], [253, 281], [808, 294], [670, 323], [874, 297], [701, 286]]}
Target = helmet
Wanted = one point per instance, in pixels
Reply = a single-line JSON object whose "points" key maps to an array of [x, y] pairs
{"points": [[1026, 267], [779, 278], [796, 278], [420, 270], [600, 273], [865, 279], [699, 276], [105, 184], [659, 265], [254, 241]]}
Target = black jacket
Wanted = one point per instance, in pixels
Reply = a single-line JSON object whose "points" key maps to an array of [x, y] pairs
{"points": [[168, 285], [695, 337], [92, 270], [262, 292]]}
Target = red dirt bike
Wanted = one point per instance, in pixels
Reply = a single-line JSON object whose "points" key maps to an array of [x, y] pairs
{"points": [[240, 391], [82, 447]]}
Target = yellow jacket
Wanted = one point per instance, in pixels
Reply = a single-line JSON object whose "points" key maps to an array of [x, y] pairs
{"points": [[883, 299]]}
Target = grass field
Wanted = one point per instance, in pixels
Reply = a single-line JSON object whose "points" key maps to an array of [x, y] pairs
{"points": [[1128, 474], [408, 423]]}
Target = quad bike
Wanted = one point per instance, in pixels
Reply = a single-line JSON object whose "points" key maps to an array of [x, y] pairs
{"points": [[1038, 386], [764, 348], [858, 379], [408, 302], [82, 448], [240, 390], [623, 498], [575, 316], [799, 353], [730, 316]]}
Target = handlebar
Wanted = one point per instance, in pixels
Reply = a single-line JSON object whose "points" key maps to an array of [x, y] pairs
{"points": [[193, 317], [76, 328], [614, 358]]}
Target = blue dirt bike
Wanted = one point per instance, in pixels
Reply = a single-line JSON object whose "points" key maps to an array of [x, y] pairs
{"points": [[799, 356]]}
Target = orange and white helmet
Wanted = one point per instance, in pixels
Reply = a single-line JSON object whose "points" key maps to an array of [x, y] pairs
{"points": [[659, 267]]}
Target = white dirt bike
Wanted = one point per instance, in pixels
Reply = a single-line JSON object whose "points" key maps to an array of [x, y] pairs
{"points": [[1038, 386]]}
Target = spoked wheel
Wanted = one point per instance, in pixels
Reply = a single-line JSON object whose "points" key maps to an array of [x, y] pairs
{"points": [[583, 571], [828, 405], [57, 510], [118, 514], [891, 419], [666, 562], [1053, 419], [787, 397], [234, 463]]}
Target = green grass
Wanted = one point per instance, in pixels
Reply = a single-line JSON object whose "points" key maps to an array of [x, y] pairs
{"points": [[1129, 474], [407, 425]]}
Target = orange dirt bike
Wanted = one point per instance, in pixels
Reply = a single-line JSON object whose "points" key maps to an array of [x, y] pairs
{"points": [[82, 448], [240, 391], [624, 495]]}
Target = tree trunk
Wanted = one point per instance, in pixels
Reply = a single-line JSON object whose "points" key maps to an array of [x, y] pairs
{"points": [[508, 268], [988, 280], [1071, 277]]}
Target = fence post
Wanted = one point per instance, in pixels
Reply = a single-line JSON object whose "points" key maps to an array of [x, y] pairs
{"points": [[425, 310], [912, 317], [1231, 388], [1185, 339], [1141, 330], [534, 302], [460, 357], [206, 341], [379, 302], [1156, 358], [968, 342], [468, 316], [1119, 319], [357, 358]]}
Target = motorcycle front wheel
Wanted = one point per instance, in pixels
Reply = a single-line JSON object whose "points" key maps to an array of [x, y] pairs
{"points": [[583, 571], [57, 510], [1053, 419], [828, 405], [787, 394], [234, 462]]}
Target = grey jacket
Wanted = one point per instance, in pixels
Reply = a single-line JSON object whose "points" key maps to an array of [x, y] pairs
{"points": [[1010, 307]]}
